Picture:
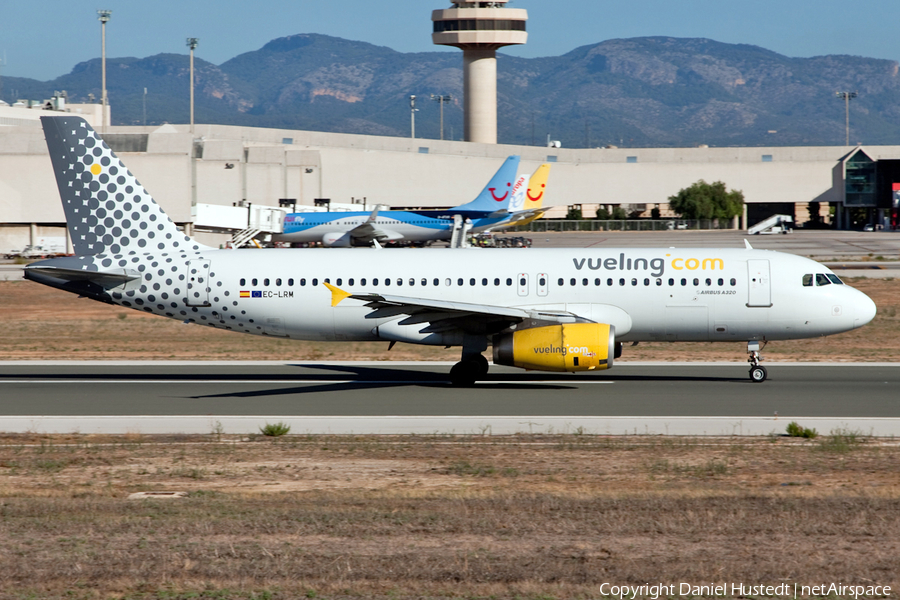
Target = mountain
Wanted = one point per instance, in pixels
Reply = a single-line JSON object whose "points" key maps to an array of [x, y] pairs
{"points": [[654, 91]]}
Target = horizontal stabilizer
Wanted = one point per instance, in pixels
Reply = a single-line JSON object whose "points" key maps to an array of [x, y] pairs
{"points": [[104, 279]]}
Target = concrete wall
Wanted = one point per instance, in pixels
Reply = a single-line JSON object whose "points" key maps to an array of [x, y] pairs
{"points": [[251, 163]]}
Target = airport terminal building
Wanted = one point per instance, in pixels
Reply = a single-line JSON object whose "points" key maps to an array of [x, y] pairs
{"points": [[229, 166]]}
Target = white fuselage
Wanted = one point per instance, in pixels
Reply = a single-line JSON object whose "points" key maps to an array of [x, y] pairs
{"points": [[698, 294]]}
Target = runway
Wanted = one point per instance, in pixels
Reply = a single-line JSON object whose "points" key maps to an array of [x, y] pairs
{"points": [[374, 397]]}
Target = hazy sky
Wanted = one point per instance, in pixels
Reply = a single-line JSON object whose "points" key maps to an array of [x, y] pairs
{"points": [[45, 39]]}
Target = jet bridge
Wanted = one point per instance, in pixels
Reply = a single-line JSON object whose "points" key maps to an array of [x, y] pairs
{"points": [[245, 223]]}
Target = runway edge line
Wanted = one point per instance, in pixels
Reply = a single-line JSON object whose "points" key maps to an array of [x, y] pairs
{"points": [[448, 425]]}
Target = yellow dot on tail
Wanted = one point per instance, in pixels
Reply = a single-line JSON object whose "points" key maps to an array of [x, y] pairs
{"points": [[95, 169]]}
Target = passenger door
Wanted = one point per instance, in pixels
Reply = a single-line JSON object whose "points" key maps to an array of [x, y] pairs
{"points": [[759, 284], [198, 282]]}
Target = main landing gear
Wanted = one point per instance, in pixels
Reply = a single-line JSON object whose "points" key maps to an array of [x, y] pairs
{"points": [[473, 365], [758, 372]]}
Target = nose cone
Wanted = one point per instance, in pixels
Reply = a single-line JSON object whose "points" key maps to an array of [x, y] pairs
{"points": [[864, 309]]}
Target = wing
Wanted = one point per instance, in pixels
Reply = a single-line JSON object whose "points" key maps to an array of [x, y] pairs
{"points": [[369, 231], [439, 316]]}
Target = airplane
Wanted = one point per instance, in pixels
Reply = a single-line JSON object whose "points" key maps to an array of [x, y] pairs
{"points": [[345, 229], [556, 310], [527, 204]]}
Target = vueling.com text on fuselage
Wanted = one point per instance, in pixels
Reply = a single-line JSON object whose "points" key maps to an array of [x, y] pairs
{"points": [[657, 266]]}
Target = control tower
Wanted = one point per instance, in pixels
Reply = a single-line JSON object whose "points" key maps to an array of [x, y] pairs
{"points": [[479, 28]]}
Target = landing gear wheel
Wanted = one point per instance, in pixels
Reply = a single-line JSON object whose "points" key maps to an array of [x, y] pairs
{"points": [[482, 364], [464, 373], [758, 374]]}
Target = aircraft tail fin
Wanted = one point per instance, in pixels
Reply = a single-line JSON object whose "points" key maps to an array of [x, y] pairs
{"points": [[498, 192], [107, 210], [534, 197]]}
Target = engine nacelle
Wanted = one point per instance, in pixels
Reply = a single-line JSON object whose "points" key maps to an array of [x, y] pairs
{"points": [[336, 240], [567, 347]]}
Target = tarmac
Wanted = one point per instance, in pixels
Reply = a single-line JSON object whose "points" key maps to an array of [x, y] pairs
{"points": [[416, 397]]}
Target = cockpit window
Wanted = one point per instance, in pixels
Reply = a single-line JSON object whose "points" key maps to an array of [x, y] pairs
{"points": [[834, 278], [822, 279], [807, 280]]}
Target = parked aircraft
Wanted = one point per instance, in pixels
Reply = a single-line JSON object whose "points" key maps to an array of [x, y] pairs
{"points": [[567, 309], [345, 229]]}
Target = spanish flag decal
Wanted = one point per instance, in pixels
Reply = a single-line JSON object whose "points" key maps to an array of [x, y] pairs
{"points": [[245, 294]]}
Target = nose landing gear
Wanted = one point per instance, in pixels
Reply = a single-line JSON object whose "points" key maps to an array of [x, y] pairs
{"points": [[758, 373]]}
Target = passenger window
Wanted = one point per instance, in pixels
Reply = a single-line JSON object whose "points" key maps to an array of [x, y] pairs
{"points": [[807, 280], [436, 282], [696, 281], [821, 279], [278, 282], [448, 282], [572, 281], [633, 281], [425, 281], [362, 281], [497, 281], [303, 281], [243, 282], [683, 281], [484, 281], [374, 281], [733, 282], [584, 281], [522, 281], [399, 281], [291, 282], [598, 281], [315, 282], [509, 281], [708, 281], [350, 282], [671, 282], [412, 282], [459, 281], [609, 281], [253, 282], [646, 281], [266, 282], [658, 282], [326, 280], [339, 280], [387, 281], [622, 281], [561, 281], [721, 281], [471, 281], [834, 278]]}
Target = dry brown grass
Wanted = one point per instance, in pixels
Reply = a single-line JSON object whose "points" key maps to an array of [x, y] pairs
{"points": [[404, 517], [40, 323]]}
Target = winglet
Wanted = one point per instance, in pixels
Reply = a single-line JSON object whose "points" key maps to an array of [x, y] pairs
{"points": [[747, 244], [337, 294]]}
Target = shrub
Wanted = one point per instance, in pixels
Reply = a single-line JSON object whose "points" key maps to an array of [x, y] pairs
{"points": [[796, 430], [275, 429]]}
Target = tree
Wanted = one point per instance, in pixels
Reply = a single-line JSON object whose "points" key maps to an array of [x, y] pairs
{"points": [[602, 213], [707, 201], [574, 213]]}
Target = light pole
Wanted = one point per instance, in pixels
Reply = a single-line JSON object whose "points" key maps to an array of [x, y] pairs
{"points": [[103, 17], [412, 114], [145, 107], [443, 100], [192, 44], [847, 96]]}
